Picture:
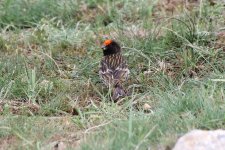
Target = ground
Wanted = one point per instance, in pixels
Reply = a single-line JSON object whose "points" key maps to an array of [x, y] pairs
{"points": [[51, 96]]}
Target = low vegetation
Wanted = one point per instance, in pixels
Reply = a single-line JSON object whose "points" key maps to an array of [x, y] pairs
{"points": [[50, 91]]}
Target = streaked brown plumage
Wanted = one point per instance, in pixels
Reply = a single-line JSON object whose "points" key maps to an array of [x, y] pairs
{"points": [[113, 69]]}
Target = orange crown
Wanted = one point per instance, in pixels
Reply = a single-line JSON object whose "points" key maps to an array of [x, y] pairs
{"points": [[107, 42]]}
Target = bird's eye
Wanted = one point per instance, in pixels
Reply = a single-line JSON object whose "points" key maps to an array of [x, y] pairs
{"points": [[104, 47]]}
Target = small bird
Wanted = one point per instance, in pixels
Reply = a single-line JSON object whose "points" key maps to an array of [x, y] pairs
{"points": [[113, 68]]}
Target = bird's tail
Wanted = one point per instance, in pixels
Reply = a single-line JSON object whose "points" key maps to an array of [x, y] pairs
{"points": [[118, 92]]}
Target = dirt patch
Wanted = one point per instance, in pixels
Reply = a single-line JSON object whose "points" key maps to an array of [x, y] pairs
{"points": [[65, 141], [7, 142], [18, 107], [173, 7]]}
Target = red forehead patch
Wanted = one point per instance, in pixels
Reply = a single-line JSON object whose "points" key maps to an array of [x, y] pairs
{"points": [[107, 42]]}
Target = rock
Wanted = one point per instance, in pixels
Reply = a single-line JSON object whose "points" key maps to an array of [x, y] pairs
{"points": [[202, 140], [146, 107]]}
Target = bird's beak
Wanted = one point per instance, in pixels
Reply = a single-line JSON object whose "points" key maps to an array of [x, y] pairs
{"points": [[103, 47]]}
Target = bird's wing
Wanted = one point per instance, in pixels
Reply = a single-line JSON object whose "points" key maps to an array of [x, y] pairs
{"points": [[105, 73], [121, 72]]}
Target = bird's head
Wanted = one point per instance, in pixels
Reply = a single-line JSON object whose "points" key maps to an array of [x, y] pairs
{"points": [[110, 47]]}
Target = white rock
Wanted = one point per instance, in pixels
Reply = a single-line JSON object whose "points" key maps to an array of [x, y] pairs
{"points": [[202, 140]]}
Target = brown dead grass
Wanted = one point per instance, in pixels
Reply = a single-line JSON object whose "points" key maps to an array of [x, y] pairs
{"points": [[18, 107]]}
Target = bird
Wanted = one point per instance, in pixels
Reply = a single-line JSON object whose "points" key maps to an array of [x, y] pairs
{"points": [[113, 69]]}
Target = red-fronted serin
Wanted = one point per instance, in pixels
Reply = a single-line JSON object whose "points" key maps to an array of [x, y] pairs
{"points": [[113, 69]]}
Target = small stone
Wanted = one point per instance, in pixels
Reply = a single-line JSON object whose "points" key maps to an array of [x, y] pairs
{"points": [[147, 108], [202, 140]]}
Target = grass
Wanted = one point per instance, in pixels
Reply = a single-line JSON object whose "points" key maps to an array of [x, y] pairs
{"points": [[50, 92]]}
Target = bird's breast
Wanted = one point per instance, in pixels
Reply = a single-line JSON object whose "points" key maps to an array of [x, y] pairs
{"points": [[113, 61]]}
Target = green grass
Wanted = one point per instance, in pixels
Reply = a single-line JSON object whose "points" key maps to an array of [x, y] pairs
{"points": [[50, 91]]}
